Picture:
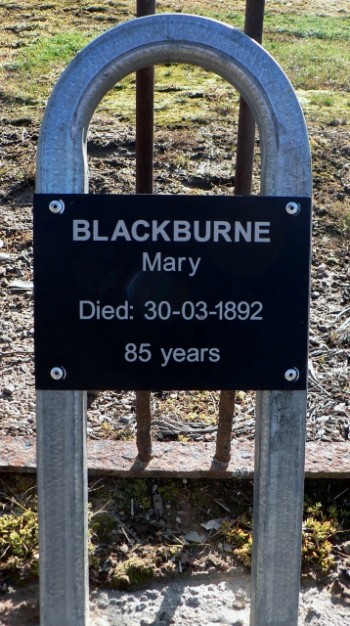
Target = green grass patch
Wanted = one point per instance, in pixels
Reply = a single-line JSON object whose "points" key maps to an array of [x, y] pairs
{"points": [[312, 64], [306, 25], [325, 106], [311, 48], [30, 76], [234, 18], [291, 24], [184, 95], [51, 53]]}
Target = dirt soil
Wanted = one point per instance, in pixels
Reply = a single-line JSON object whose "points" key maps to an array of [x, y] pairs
{"points": [[206, 167]]}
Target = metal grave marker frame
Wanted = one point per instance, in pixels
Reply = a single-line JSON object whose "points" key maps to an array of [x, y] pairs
{"points": [[188, 291], [280, 414]]}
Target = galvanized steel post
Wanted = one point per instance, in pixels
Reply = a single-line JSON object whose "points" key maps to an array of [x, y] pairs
{"points": [[61, 167]]}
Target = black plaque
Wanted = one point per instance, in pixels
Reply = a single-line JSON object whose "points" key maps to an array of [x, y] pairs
{"points": [[171, 292]]}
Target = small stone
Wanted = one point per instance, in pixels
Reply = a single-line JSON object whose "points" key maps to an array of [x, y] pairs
{"points": [[8, 391], [245, 455], [193, 602], [151, 594], [321, 270], [126, 419], [103, 601], [21, 285], [184, 558], [124, 548], [311, 614], [346, 547], [238, 604], [193, 591], [158, 504], [194, 537]]}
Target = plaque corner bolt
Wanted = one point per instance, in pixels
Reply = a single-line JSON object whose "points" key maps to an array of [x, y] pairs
{"points": [[57, 206], [292, 374], [293, 208], [58, 373]]}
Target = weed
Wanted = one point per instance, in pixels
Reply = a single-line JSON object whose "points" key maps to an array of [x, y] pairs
{"points": [[316, 547], [239, 535], [132, 572], [319, 526], [102, 525], [169, 490], [138, 490], [318, 529], [19, 541], [180, 160]]}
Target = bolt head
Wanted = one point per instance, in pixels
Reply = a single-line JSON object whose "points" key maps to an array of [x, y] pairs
{"points": [[293, 208], [292, 374], [58, 373], [57, 206]]}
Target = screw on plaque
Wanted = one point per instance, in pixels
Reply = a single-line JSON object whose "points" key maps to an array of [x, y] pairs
{"points": [[58, 373], [57, 206], [293, 208], [292, 374]]}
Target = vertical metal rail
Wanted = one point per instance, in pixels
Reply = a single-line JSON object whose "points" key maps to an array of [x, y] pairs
{"points": [[253, 27], [62, 494], [281, 415], [144, 115], [144, 184], [143, 425], [224, 432], [278, 507]]}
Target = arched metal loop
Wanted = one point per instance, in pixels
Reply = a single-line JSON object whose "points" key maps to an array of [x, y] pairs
{"points": [[177, 38]]}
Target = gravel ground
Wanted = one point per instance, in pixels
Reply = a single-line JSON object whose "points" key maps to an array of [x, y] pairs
{"points": [[112, 414], [224, 601]]}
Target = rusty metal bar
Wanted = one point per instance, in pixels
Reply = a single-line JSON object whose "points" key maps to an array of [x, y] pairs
{"points": [[253, 27], [223, 437], [143, 422], [144, 184], [325, 460], [144, 115]]}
